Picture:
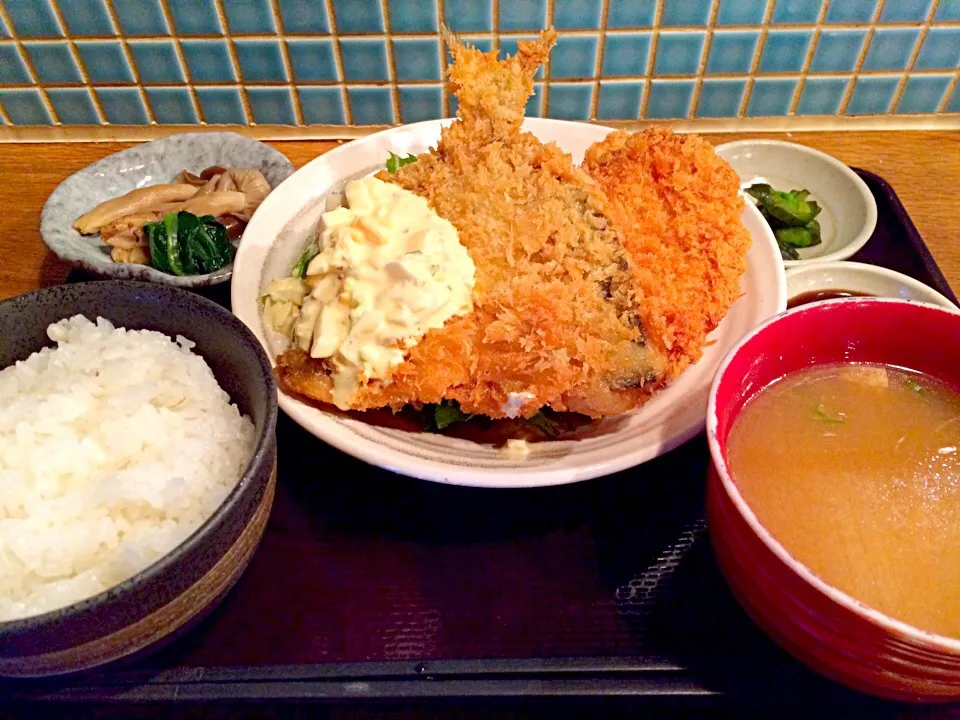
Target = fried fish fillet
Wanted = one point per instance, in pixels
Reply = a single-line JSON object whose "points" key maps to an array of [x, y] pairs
{"points": [[557, 317], [679, 206]]}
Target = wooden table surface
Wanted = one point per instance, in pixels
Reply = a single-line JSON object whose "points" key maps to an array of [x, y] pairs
{"points": [[922, 166]]}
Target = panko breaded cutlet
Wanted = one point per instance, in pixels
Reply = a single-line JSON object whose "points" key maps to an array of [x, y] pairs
{"points": [[557, 318], [679, 207]]}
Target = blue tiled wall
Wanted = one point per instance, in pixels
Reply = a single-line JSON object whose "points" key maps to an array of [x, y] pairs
{"points": [[373, 62]]}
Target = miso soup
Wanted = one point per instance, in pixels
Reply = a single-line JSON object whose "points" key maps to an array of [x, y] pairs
{"points": [[855, 470]]}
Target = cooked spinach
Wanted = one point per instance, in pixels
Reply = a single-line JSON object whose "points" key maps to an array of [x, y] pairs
{"points": [[184, 244], [395, 162], [447, 413], [309, 253], [544, 424]]}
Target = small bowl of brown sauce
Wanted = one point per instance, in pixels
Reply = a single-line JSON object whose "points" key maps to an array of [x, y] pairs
{"points": [[826, 281], [834, 497]]}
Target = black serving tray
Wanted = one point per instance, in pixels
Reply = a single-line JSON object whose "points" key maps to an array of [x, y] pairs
{"points": [[372, 586]]}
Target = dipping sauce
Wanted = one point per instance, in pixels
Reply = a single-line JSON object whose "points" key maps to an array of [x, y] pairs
{"points": [[855, 470], [813, 296]]}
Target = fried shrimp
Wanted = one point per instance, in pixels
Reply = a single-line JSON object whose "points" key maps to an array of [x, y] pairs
{"points": [[558, 318], [679, 206]]}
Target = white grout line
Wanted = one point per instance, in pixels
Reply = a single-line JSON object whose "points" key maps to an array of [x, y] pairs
{"points": [[758, 55], [915, 53], [182, 59], [704, 56], [598, 67], [3, 115], [393, 84], [391, 64], [852, 84], [651, 58], [235, 61], [342, 82], [84, 75], [444, 62], [287, 64], [813, 123], [948, 93], [508, 33], [381, 83], [31, 70], [125, 47], [545, 94], [808, 60]]}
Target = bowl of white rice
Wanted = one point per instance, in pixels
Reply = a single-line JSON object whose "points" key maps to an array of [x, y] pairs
{"points": [[137, 469]]}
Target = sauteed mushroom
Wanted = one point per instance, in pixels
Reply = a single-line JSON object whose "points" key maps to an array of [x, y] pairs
{"points": [[234, 223], [215, 178], [188, 178], [216, 204], [133, 202], [136, 255], [253, 184], [123, 232], [227, 194], [213, 171]]}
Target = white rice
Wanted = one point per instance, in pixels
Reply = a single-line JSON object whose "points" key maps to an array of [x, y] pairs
{"points": [[114, 447]]}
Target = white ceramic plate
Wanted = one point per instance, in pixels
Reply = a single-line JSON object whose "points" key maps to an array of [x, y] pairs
{"points": [[289, 216], [849, 211], [862, 278]]}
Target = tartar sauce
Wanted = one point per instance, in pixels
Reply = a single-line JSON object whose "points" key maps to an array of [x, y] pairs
{"points": [[515, 402], [389, 270], [516, 449]]}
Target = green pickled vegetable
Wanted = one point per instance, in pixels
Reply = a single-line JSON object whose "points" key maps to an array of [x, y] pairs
{"points": [[184, 244], [395, 162], [309, 253], [790, 208], [788, 253], [799, 237], [791, 217]]}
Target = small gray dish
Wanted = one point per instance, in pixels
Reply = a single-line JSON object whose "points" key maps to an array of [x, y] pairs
{"points": [[151, 163]]}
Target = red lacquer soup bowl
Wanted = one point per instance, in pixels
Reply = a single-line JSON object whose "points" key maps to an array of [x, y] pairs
{"points": [[823, 627]]}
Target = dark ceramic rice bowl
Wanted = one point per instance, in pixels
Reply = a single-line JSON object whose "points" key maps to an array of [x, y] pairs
{"points": [[175, 591]]}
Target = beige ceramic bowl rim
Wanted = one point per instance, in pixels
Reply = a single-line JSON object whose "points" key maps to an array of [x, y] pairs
{"points": [[887, 623], [870, 204], [925, 293]]}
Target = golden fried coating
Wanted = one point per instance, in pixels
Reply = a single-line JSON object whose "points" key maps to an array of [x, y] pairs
{"points": [[679, 206], [557, 317]]}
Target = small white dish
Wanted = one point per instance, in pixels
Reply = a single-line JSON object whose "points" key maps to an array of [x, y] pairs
{"points": [[849, 210], [288, 219], [861, 278], [150, 163]]}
